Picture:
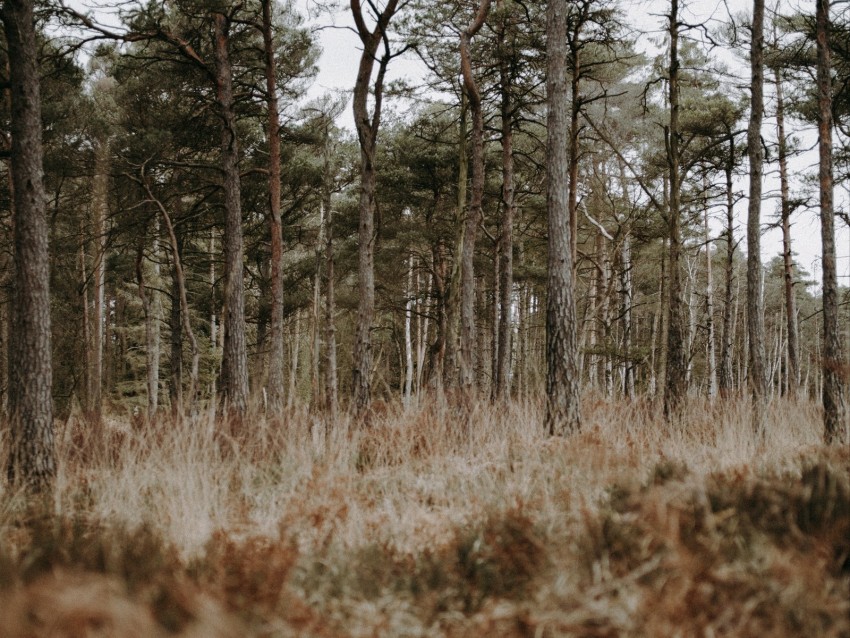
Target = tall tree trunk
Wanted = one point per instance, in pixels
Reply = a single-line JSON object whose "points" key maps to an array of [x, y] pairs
{"points": [[474, 213], [101, 209], [179, 278], [275, 378], [175, 324], [675, 385], [453, 294], [793, 370], [834, 365], [234, 364], [330, 312], [408, 334], [562, 380], [755, 307], [367, 134], [502, 381], [709, 307], [727, 339], [31, 460], [151, 307]]}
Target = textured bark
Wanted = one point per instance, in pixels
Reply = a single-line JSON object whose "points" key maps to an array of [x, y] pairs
{"points": [[452, 306], [331, 400], [757, 379], [793, 370], [234, 363], [275, 378], [834, 366], [504, 347], [675, 386], [726, 378], [562, 378], [152, 309], [474, 213], [367, 134], [175, 383], [179, 281], [101, 209], [31, 458], [709, 308]]}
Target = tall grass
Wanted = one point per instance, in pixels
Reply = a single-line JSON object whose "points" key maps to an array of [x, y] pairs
{"points": [[435, 521]]}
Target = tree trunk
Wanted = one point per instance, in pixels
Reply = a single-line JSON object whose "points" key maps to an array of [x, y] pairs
{"points": [[726, 339], [179, 279], [474, 213], [709, 309], [275, 378], [675, 386], [452, 307], [562, 379], [101, 209], [834, 366], [234, 364], [793, 368], [757, 379], [31, 458], [367, 134], [330, 313], [151, 307], [175, 324], [502, 381]]}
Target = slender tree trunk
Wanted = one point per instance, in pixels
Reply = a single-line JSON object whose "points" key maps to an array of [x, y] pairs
{"points": [[175, 324], [179, 278], [367, 133], [709, 308], [793, 370], [151, 307], [31, 459], [562, 379], [474, 214], [234, 365], [316, 320], [408, 333], [84, 297], [330, 314], [727, 339], [454, 288], [755, 306], [275, 378], [675, 384], [834, 365], [504, 348], [101, 210]]}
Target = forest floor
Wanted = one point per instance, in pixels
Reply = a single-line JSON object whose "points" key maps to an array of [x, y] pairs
{"points": [[427, 524]]}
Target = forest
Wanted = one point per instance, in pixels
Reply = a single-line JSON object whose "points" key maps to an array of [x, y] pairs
{"points": [[514, 335]]}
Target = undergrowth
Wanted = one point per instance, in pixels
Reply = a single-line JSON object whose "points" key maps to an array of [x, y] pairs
{"points": [[436, 523]]}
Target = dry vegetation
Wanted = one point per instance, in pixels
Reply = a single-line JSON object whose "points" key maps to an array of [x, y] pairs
{"points": [[424, 526]]}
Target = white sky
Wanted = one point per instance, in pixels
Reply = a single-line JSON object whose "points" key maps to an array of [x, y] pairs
{"points": [[341, 54]]}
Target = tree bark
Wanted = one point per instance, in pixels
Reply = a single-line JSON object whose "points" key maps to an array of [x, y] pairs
{"points": [[474, 213], [726, 339], [367, 134], [101, 209], [234, 365], [31, 460], [834, 365], [793, 369], [562, 378], [275, 378], [502, 381], [151, 307], [757, 379], [675, 383]]}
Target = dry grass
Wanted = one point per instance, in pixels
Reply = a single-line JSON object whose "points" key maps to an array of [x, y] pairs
{"points": [[433, 524]]}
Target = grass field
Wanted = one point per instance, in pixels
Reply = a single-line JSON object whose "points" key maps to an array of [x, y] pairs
{"points": [[429, 524]]}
